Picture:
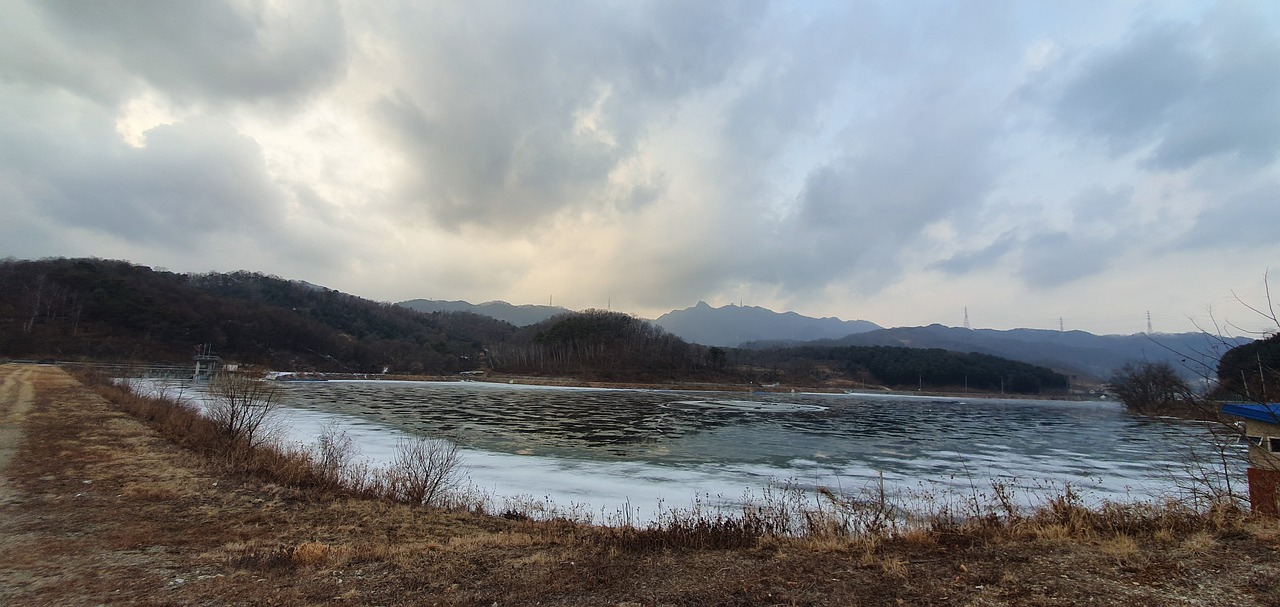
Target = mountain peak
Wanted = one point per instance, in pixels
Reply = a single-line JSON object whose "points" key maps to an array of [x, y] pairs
{"points": [[519, 315], [733, 325]]}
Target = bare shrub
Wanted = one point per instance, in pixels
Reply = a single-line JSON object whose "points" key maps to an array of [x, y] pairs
{"points": [[241, 409], [869, 511], [333, 461], [425, 471]]}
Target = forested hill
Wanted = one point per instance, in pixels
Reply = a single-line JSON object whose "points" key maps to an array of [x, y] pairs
{"points": [[1251, 372], [520, 316], [114, 310], [732, 326], [907, 368], [599, 344], [1094, 356], [91, 309]]}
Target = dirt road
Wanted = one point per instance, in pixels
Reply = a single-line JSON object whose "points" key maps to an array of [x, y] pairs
{"points": [[70, 468], [16, 394]]}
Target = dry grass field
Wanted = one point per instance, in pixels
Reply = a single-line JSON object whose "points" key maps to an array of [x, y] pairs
{"points": [[99, 508]]}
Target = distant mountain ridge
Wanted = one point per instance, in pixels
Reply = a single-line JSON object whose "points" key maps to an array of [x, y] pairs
{"points": [[732, 325], [1089, 356], [1195, 355], [94, 309], [520, 316], [726, 326]]}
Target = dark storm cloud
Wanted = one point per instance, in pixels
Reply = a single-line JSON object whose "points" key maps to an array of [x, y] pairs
{"points": [[797, 74], [492, 169], [1104, 225], [194, 49], [904, 119], [1192, 91], [29, 55], [198, 183], [190, 180], [510, 112], [987, 256], [1055, 258], [917, 164], [660, 152], [1243, 217]]}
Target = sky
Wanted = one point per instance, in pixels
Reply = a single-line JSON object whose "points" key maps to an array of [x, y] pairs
{"points": [[1029, 164]]}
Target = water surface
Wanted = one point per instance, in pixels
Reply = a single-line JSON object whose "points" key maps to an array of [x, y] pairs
{"points": [[627, 446]]}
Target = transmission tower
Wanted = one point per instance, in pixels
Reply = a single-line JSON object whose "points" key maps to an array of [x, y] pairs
{"points": [[966, 318], [1149, 331]]}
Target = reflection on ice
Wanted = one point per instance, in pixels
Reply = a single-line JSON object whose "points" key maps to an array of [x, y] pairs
{"points": [[615, 450], [741, 405]]}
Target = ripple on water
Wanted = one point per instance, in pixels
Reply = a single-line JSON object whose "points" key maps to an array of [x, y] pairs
{"points": [[750, 406], [822, 437]]}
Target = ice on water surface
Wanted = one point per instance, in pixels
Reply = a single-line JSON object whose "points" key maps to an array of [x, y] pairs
{"points": [[613, 450]]}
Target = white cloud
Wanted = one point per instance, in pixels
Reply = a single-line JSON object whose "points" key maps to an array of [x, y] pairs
{"points": [[868, 160]]}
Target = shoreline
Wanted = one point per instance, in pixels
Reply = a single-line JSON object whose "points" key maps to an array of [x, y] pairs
{"points": [[105, 511], [572, 382], [693, 386]]}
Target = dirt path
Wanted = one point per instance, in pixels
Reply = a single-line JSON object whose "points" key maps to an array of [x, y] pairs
{"points": [[70, 472], [16, 394]]}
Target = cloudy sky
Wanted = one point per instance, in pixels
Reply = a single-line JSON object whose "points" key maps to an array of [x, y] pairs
{"points": [[897, 162]]}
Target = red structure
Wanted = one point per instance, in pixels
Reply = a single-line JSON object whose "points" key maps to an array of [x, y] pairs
{"points": [[1262, 430], [1263, 495]]}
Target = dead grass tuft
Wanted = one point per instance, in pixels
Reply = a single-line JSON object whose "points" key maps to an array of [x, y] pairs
{"points": [[1265, 529], [1120, 546], [311, 554], [479, 541], [1199, 542], [894, 566]]}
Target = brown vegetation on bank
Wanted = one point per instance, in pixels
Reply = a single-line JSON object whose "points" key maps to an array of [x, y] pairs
{"points": [[97, 508]]}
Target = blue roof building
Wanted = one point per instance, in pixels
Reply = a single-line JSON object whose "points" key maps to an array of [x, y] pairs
{"points": [[1269, 413], [1262, 430]]}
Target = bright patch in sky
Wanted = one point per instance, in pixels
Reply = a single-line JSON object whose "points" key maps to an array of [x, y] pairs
{"points": [[897, 162]]}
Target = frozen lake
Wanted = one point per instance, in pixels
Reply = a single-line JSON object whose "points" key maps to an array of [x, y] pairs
{"points": [[612, 450]]}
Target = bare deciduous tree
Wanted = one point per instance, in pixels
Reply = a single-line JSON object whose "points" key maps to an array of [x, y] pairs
{"points": [[242, 408], [425, 471], [1150, 387], [334, 457]]}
